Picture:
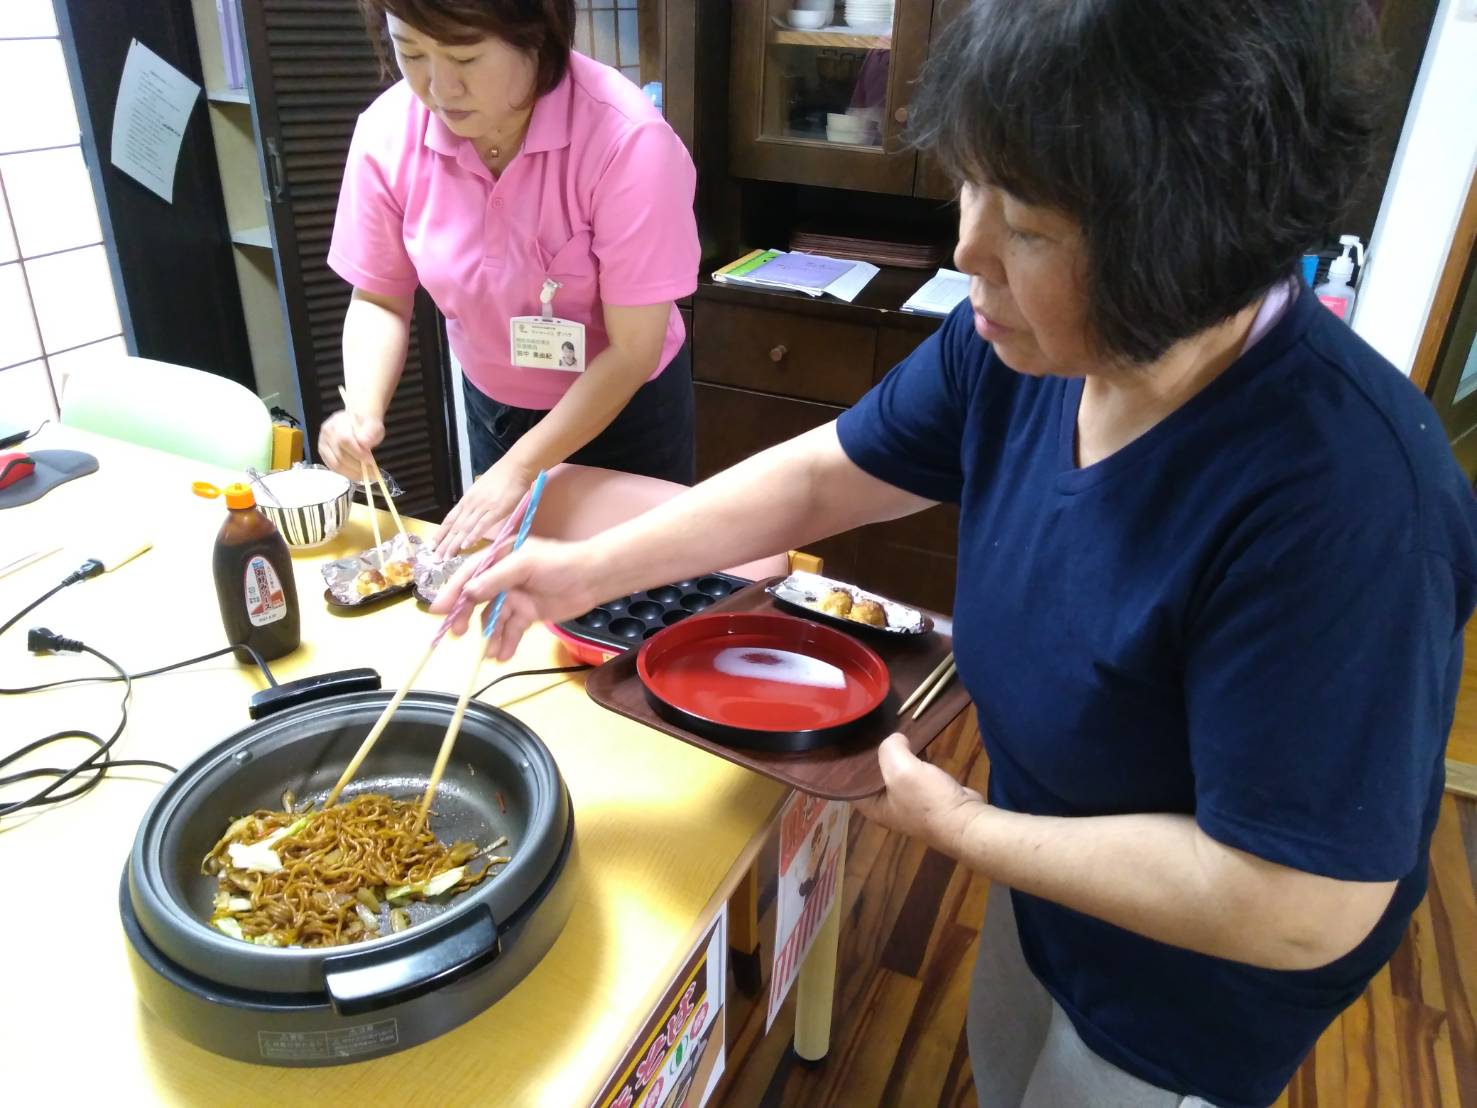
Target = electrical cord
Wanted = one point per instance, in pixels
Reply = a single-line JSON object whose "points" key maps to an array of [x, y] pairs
{"points": [[87, 570], [532, 673], [98, 762], [103, 678], [40, 640], [23, 436]]}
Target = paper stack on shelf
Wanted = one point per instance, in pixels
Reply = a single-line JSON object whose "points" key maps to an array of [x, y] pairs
{"points": [[940, 294], [812, 274]]}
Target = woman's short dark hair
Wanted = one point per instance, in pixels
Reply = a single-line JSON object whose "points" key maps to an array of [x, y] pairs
{"points": [[546, 27], [1203, 145]]}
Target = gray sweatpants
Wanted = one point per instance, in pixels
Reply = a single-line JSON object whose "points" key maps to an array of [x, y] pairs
{"points": [[1023, 1048]]}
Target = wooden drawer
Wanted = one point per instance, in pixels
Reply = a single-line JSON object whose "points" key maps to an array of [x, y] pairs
{"points": [[893, 345], [733, 425], [780, 352]]}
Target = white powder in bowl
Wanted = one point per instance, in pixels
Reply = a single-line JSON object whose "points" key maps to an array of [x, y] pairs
{"points": [[302, 488]]}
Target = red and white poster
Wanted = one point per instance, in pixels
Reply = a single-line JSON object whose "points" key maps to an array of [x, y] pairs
{"points": [[812, 832], [679, 1056]]}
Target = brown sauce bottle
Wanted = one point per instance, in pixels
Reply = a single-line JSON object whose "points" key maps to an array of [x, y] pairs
{"points": [[253, 580]]}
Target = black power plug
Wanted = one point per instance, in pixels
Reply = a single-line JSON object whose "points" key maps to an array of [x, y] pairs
{"points": [[41, 640]]}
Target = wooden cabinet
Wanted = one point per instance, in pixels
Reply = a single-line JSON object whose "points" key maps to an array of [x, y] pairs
{"points": [[748, 400], [774, 351], [828, 106]]}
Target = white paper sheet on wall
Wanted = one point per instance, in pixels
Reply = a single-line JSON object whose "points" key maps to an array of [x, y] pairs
{"points": [[154, 104]]}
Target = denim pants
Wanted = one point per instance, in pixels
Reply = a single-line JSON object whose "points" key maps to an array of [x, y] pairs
{"points": [[653, 435]]}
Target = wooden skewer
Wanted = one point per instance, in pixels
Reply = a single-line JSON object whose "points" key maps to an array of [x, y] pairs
{"points": [[377, 730], [449, 739], [927, 682], [364, 468], [390, 503], [374, 516], [938, 687]]}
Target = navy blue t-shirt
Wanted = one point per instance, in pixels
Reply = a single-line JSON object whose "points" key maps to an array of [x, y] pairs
{"points": [[1252, 614]]}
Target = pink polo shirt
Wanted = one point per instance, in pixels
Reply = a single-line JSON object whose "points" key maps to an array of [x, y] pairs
{"points": [[598, 198]]}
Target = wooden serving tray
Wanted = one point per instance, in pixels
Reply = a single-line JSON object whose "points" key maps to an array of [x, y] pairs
{"points": [[847, 770]]}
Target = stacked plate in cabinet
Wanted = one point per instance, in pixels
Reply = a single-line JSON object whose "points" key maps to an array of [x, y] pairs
{"points": [[871, 16]]}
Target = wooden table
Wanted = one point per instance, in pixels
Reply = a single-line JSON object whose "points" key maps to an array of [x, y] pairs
{"points": [[666, 831]]}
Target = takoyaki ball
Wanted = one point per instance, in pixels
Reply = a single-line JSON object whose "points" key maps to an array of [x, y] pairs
{"points": [[369, 582], [837, 602]]}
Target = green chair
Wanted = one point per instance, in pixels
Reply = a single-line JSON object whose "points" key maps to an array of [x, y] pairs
{"points": [[171, 407]]}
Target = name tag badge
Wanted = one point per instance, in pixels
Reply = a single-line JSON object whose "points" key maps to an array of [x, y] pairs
{"points": [[539, 343]]}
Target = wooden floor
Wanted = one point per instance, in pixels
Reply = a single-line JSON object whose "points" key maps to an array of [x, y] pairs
{"points": [[908, 941]]}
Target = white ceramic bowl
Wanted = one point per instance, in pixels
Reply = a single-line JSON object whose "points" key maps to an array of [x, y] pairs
{"points": [[807, 21], [314, 503]]}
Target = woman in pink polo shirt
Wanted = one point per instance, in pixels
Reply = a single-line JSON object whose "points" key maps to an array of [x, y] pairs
{"points": [[546, 206]]}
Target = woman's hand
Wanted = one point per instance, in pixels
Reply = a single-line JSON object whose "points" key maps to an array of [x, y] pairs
{"points": [[921, 800], [479, 513], [346, 442], [544, 580]]}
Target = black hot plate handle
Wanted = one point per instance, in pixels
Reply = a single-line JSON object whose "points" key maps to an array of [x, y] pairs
{"points": [[379, 976], [305, 690]]}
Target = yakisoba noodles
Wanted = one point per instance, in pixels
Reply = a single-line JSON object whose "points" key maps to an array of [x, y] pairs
{"points": [[337, 876]]}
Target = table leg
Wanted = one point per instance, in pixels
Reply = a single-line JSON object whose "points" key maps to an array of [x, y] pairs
{"points": [[815, 985], [743, 913]]}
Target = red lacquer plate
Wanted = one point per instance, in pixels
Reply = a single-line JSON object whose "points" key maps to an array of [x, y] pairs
{"points": [[762, 680]]}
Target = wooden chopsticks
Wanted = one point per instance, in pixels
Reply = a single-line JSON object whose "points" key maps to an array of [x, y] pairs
{"points": [[449, 739], [524, 512], [365, 468], [930, 687]]}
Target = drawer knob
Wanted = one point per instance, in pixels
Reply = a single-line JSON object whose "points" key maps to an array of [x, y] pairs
{"points": [[777, 355], [901, 115]]}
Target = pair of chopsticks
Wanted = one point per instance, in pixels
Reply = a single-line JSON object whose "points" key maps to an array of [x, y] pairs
{"points": [[930, 687], [523, 515], [374, 516]]}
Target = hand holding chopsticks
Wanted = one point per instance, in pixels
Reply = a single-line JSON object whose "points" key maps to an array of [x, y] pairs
{"points": [[449, 740], [365, 466], [930, 687], [525, 510]]}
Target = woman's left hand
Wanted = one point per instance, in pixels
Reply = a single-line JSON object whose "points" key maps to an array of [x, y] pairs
{"points": [[920, 800], [479, 513]]}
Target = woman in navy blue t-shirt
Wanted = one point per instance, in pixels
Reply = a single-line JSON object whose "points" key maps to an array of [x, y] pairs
{"points": [[1215, 556]]}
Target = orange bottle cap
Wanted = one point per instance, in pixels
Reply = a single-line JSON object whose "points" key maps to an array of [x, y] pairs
{"points": [[239, 496]]}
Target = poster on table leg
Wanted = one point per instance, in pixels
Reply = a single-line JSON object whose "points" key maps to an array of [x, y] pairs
{"points": [[812, 832], [678, 1058]]}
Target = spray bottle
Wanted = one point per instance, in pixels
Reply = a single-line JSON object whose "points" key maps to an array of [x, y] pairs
{"points": [[1337, 293]]}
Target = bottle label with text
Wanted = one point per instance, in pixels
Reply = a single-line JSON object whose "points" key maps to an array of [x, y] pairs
{"points": [[265, 602]]}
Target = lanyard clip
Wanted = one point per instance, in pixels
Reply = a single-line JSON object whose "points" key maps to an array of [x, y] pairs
{"points": [[546, 296]]}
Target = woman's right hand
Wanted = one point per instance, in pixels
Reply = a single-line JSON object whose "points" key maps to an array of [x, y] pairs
{"points": [[545, 580], [346, 442]]}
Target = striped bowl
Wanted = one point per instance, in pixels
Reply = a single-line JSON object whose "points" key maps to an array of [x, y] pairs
{"points": [[314, 503]]}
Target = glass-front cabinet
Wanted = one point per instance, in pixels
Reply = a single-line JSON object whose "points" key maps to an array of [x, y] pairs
{"points": [[821, 89]]}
